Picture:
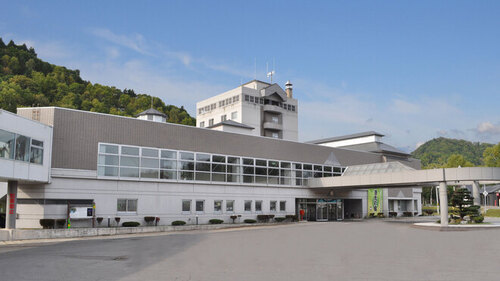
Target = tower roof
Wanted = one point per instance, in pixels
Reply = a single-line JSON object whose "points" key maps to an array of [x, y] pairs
{"points": [[151, 111]]}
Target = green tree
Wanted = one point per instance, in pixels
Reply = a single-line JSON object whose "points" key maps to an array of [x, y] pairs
{"points": [[463, 201], [492, 156], [457, 160]]}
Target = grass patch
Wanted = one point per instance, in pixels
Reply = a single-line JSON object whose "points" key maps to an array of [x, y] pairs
{"points": [[493, 213]]}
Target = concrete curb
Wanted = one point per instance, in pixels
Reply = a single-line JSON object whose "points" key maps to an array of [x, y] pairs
{"points": [[437, 227], [34, 234]]}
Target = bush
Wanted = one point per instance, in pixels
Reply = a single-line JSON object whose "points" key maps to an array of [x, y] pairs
{"points": [[48, 223], [380, 215], [61, 223], [263, 218], [477, 219], [279, 219], [292, 217], [215, 221], [407, 214], [131, 224], [249, 221], [117, 219], [149, 220], [178, 223], [99, 219], [393, 214]]}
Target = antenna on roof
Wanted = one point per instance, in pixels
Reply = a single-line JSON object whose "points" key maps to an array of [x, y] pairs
{"points": [[255, 69], [151, 101], [270, 74]]}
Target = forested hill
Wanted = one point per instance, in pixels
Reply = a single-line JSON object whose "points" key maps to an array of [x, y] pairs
{"points": [[26, 80], [443, 152]]}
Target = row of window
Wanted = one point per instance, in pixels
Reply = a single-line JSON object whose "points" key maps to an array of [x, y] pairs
{"points": [[260, 100], [207, 108], [222, 103], [234, 116], [248, 206], [125, 161], [18, 147]]}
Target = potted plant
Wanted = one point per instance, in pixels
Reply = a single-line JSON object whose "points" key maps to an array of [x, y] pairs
{"points": [[117, 220]]}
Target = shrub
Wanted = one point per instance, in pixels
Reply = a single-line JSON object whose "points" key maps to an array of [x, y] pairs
{"points": [[292, 217], [117, 219], [380, 215], [99, 219], [478, 219], [393, 214], [149, 220], [178, 223], [249, 221], [263, 218], [279, 219], [131, 224], [47, 223], [234, 217], [61, 223], [270, 216], [407, 214], [215, 221]]}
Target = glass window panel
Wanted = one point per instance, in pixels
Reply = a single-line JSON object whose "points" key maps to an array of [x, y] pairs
{"points": [[7, 142], [336, 169], [233, 169], [307, 167], [272, 180], [233, 178], [168, 175], [230, 206], [108, 160], [272, 206], [298, 181], [218, 168], [186, 166], [129, 172], [107, 148], [327, 168], [129, 161], [327, 174], [169, 154], [298, 174], [247, 161], [203, 167], [149, 173], [258, 206], [187, 155], [285, 173], [168, 164], [22, 148], [260, 162], [285, 181], [37, 143], [285, 165], [248, 205], [233, 160], [107, 171], [297, 166], [218, 177], [248, 179], [318, 168], [121, 205], [200, 205], [248, 170], [261, 171], [129, 150], [307, 174], [186, 205], [217, 205], [262, 180], [36, 156], [150, 163], [282, 206], [202, 176], [318, 175], [189, 176], [273, 172], [132, 205], [219, 158], [273, 164], [203, 157], [150, 152]]}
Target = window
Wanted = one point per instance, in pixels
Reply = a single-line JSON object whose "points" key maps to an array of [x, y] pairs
{"points": [[200, 205], [272, 206], [202, 124], [247, 98], [22, 148], [213, 106], [36, 154], [223, 118], [248, 205], [108, 160], [186, 205], [230, 206], [258, 206], [234, 115], [218, 206], [127, 205], [7, 141], [275, 135], [282, 206], [210, 122], [275, 119], [252, 98], [150, 117]]}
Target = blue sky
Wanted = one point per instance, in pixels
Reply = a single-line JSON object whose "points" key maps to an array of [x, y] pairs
{"points": [[413, 70]]}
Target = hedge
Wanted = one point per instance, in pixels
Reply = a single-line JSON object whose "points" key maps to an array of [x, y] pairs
{"points": [[279, 219], [178, 223], [215, 221], [249, 221], [47, 223], [61, 223], [131, 224]]}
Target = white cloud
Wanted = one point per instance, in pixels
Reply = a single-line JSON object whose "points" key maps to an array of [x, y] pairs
{"points": [[488, 128], [134, 41]]}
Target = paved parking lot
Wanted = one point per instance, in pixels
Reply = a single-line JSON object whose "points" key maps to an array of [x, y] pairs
{"points": [[369, 250]]}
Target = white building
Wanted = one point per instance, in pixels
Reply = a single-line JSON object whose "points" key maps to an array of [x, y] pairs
{"points": [[255, 108]]}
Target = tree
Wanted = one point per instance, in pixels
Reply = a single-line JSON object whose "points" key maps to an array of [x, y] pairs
{"points": [[463, 201], [492, 156], [457, 160]]}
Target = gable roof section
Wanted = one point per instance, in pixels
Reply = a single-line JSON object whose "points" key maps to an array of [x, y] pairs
{"points": [[346, 137], [274, 89], [152, 111], [233, 124]]}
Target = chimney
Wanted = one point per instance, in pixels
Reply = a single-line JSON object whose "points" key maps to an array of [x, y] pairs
{"points": [[288, 89]]}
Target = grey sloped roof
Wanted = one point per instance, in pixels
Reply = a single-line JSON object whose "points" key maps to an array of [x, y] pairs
{"points": [[377, 168], [232, 123], [346, 137], [378, 147], [274, 89], [152, 111]]}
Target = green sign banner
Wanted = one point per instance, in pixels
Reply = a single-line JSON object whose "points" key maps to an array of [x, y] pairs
{"points": [[375, 201]]}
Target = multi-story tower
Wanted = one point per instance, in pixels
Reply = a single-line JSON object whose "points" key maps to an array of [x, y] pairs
{"points": [[255, 108]]}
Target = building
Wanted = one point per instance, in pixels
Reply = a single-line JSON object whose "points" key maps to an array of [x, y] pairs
{"points": [[132, 168], [255, 108]]}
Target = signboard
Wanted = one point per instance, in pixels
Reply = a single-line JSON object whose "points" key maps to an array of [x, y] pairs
{"points": [[375, 201], [80, 212], [485, 193]]}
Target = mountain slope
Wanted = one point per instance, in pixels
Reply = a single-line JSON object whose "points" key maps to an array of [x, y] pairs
{"points": [[26, 80]]}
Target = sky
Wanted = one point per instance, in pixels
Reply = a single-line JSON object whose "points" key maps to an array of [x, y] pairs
{"points": [[412, 70]]}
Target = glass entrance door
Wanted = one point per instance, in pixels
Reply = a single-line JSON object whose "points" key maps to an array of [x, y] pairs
{"points": [[332, 212], [322, 212]]}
